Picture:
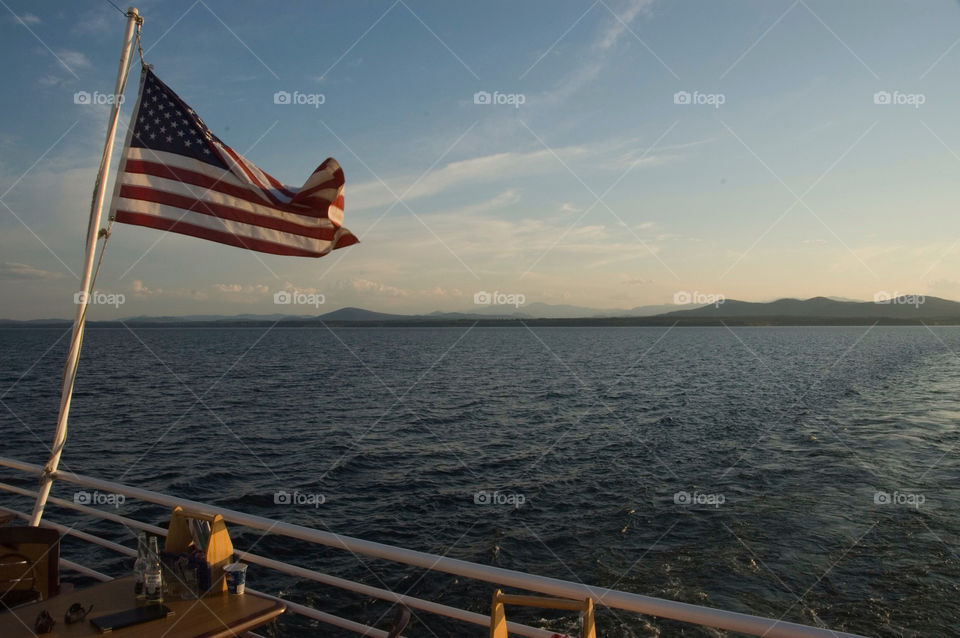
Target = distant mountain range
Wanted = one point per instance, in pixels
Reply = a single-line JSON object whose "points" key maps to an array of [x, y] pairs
{"points": [[913, 307], [908, 309], [535, 310]]}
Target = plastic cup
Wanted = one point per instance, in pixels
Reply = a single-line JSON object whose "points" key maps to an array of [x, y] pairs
{"points": [[236, 575]]}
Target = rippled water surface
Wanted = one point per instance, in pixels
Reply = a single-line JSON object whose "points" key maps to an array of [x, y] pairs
{"points": [[784, 439]]}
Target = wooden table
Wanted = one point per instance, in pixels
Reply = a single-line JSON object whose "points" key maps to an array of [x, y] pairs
{"points": [[216, 616]]}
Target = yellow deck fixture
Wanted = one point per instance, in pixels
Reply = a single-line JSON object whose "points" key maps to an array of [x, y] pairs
{"points": [[219, 549], [498, 618]]}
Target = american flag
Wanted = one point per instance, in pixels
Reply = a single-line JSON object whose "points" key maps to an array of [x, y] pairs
{"points": [[177, 176]]}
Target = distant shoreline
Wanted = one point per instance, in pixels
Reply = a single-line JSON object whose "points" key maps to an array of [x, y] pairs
{"points": [[907, 310], [611, 322]]}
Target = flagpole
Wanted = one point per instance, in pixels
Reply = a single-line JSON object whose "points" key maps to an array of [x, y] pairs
{"points": [[93, 231]]}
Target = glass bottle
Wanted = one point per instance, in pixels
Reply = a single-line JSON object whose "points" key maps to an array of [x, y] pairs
{"points": [[153, 578], [140, 566]]}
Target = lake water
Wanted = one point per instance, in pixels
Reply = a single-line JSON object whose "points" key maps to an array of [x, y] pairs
{"points": [[805, 473]]}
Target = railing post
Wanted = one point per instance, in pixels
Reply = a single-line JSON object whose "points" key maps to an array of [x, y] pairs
{"points": [[93, 231]]}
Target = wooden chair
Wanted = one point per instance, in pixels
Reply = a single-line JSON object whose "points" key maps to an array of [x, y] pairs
{"points": [[29, 565], [498, 619]]}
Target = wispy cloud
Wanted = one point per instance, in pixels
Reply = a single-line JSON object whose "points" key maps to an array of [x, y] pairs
{"points": [[595, 56], [379, 288], [74, 59], [140, 290], [508, 243], [498, 248], [95, 22], [506, 198], [234, 293], [470, 171], [27, 18], [244, 289], [609, 155], [618, 28], [13, 270]]}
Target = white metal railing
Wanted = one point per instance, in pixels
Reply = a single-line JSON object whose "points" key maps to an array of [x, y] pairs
{"points": [[614, 599], [293, 570]]}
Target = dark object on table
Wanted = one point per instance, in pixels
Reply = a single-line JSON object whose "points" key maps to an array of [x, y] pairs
{"points": [[44, 623], [130, 617], [76, 613]]}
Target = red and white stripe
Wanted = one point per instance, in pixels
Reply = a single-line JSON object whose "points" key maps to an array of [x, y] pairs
{"points": [[243, 207]]}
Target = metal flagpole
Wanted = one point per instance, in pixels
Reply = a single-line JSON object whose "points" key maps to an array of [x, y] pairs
{"points": [[93, 231]]}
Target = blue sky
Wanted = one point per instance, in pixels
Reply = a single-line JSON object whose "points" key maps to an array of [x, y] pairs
{"points": [[598, 190]]}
